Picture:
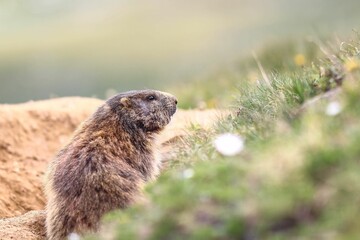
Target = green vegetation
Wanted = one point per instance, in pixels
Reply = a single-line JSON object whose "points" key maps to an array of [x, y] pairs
{"points": [[218, 90], [297, 177]]}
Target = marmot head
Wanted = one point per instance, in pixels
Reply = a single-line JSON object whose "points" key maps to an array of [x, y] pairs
{"points": [[149, 110]]}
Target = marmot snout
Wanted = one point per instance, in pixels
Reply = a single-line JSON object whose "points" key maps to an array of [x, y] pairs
{"points": [[106, 163]]}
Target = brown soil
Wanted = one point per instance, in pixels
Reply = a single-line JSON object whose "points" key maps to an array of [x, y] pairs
{"points": [[30, 226], [30, 135]]}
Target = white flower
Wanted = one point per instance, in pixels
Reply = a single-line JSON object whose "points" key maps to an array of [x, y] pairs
{"points": [[73, 236], [229, 144], [333, 108], [188, 173]]}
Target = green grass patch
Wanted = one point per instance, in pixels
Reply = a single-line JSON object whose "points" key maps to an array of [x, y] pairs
{"points": [[297, 177]]}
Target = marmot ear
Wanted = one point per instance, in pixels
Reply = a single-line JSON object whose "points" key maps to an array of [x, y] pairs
{"points": [[125, 102]]}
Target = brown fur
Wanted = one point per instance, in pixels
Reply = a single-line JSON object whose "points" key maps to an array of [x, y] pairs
{"points": [[106, 163]]}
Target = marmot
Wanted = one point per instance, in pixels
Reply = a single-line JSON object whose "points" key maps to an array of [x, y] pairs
{"points": [[105, 165]]}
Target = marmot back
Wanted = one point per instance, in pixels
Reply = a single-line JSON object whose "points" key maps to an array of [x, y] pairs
{"points": [[110, 157]]}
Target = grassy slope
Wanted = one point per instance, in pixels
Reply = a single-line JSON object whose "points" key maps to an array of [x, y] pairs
{"points": [[298, 175], [218, 89]]}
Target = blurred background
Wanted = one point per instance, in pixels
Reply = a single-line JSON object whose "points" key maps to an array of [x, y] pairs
{"points": [[95, 48]]}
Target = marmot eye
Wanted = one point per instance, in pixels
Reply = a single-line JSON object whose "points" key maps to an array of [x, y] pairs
{"points": [[151, 98]]}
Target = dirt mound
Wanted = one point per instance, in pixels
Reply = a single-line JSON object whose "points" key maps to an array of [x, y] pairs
{"points": [[31, 134], [30, 226]]}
